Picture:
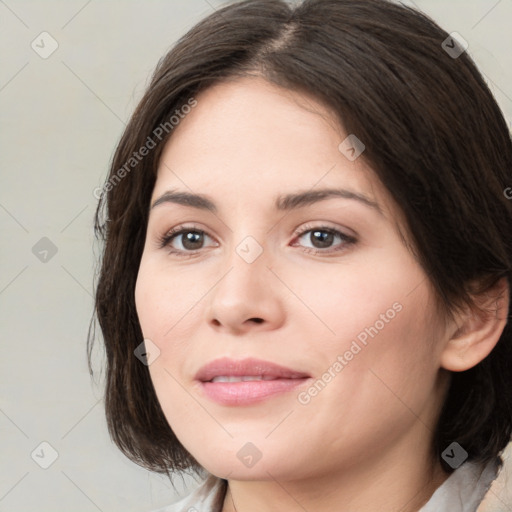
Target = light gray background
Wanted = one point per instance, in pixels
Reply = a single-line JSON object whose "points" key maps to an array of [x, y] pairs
{"points": [[60, 120]]}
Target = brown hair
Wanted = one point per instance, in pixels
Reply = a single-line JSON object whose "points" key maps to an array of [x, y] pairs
{"points": [[434, 136]]}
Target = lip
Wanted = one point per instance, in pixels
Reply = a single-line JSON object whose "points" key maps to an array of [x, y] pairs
{"points": [[244, 393], [244, 367]]}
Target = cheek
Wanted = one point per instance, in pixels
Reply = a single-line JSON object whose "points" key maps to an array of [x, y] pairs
{"points": [[369, 301], [166, 300], [376, 379], [169, 308], [162, 318], [374, 344], [388, 366]]}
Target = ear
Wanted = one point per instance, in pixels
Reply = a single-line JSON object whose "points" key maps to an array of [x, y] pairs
{"points": [[477, 329]]}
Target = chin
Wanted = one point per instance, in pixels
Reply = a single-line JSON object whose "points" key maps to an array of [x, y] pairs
{"points": [[238, 465]]}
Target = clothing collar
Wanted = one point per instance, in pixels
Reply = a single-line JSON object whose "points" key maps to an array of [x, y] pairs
{"points": [[462, 491], [465, 488]]}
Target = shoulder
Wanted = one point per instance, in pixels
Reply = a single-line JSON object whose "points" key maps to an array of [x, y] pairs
{"points": [[465, 488], [208, 497]]}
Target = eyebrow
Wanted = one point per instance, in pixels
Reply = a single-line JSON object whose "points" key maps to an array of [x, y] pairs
{"points": [[283, 202]]}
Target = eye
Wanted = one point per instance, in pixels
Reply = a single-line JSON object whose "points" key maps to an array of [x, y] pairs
{"points": [[184, 241], [189, 241], [323, 239]]}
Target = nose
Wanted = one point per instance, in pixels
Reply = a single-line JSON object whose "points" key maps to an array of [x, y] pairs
{"points": [[248, 298]]}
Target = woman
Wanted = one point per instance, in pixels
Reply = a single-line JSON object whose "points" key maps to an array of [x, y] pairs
{"points": [[305, 284]]}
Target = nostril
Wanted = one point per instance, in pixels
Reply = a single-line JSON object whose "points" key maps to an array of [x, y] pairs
{"points": [[257, 320]]}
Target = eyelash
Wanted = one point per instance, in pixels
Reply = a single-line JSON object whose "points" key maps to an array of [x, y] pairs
{"points": [[165, 240]]}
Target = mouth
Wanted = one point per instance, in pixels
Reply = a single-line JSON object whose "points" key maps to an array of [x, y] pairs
{"points": [[244, 382], [243, 378]]}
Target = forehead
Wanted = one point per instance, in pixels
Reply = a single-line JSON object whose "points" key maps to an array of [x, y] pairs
{"points": [[258, 118], [249, 136]]}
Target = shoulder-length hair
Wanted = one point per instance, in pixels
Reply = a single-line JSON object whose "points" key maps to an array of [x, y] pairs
{"points": [[434, 137]]}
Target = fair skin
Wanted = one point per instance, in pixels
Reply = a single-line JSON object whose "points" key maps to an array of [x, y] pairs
{"points": [[366, 437]]}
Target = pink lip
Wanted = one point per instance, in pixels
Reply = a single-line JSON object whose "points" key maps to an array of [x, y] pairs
{"points": [[250, 366], [244, 393]]}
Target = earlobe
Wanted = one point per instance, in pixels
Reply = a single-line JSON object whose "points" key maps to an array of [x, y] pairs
{"points": [[478, 329]]}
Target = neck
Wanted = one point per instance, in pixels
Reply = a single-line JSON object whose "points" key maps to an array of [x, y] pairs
{"points": [[405, 487]]}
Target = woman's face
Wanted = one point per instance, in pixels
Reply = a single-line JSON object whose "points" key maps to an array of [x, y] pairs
{"points": [[321, 284]]}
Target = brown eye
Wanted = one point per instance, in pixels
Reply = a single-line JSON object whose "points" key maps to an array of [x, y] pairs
{"points": [[323, 240], [184, 240], [192, 240]]}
